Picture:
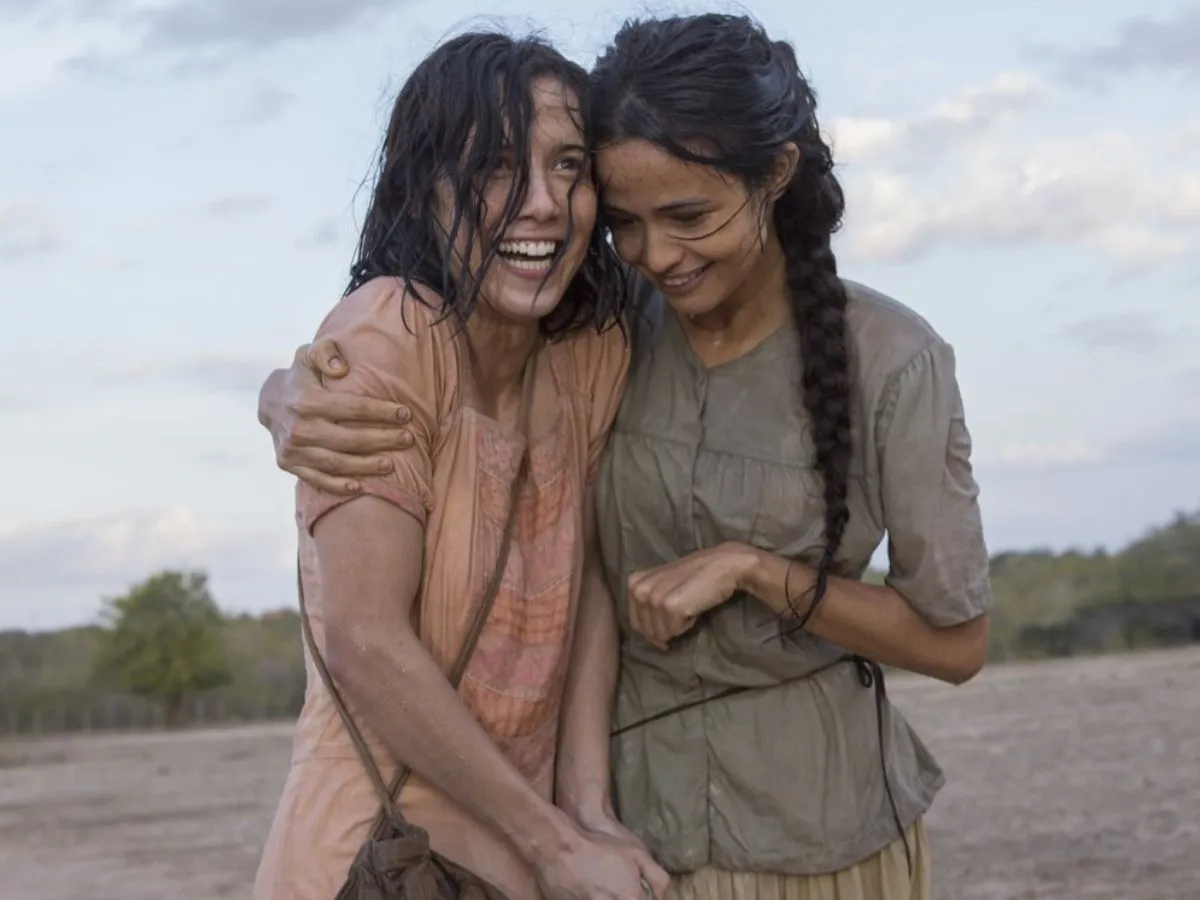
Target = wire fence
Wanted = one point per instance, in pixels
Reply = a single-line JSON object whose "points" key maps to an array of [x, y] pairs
{"points": [[127, 713]]}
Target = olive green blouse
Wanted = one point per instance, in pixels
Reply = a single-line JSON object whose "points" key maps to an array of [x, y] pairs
{"points": [[787, 776]]}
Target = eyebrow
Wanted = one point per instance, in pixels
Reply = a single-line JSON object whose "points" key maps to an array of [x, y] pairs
{"points": [[674, 206], [509, 147], [685, 203]]}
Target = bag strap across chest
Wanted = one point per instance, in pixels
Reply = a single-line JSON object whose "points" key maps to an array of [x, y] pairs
{"points": [[387, 792]]}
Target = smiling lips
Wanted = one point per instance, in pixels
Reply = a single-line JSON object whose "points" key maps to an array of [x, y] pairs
{"points": [[529, 258], [681, 284]]}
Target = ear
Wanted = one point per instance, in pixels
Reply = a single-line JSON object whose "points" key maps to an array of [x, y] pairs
{"points": [[787, 161]]}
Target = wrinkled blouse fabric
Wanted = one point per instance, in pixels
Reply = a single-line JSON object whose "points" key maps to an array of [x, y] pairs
{"points": [[456, 480], [787, 777]]}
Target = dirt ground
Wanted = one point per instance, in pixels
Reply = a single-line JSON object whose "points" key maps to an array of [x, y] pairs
{"points": [[1073, 780]]}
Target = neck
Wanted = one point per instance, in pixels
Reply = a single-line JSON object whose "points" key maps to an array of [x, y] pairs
{"points": [[499, 349], [759, 305]]}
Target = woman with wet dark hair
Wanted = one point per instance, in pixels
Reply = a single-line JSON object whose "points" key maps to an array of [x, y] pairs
{"points": [[483, 301], [779, 422]]}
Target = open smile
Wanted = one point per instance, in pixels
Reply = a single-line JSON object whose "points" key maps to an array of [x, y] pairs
{"points": [[682, 284], [530, 259]]}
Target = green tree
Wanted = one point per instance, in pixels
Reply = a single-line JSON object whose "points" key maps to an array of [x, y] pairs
{"points": [[164, 641]]}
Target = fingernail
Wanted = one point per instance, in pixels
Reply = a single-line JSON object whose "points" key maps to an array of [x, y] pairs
{"points": [[335, 362], [352, 486], [384, 465], [403, 414]]}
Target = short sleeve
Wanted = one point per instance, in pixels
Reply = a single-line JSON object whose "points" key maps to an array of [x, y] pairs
{"points": [[394, 353], [938, 558], [602, 370]]}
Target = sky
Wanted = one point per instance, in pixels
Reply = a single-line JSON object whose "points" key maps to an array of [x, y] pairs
{"points": [[181, 182]]}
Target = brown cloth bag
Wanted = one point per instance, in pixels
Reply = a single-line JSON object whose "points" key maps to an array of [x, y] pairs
{"points": [[396, 862]]}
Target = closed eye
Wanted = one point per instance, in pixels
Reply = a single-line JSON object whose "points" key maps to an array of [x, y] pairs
{"points": [[617, 220]]}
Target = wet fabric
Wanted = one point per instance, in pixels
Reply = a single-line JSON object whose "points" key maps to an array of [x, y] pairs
{"points": [[786, 777], [456, 480]]}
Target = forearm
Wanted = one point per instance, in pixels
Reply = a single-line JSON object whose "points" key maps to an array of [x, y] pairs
{"points": [[431, 731], [583, 773], [870, 620]]}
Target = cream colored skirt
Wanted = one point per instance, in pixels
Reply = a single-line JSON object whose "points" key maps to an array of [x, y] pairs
{"points": [[884, 876]]}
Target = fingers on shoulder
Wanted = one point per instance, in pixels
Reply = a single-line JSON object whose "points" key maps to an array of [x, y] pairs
{"points": [[395, 345]]}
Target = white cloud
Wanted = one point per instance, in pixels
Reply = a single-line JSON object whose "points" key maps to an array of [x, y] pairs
{"points": [[973, 112], [38, 41], [56, 573], [1142, 43], [265, 105], [236, 206], [966, 171], [1183, 206], [1038, 456], [1111, 193], [127, 369], [35, 49], [206, 373], [27, 230], [1177, 443], [1138, 332], [325, 234]]}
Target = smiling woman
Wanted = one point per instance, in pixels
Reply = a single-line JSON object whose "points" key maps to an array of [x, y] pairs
{"points": [[779, 423], [443, 598]]}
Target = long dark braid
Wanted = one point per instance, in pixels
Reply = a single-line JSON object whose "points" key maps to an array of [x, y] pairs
{"points": [[806, 217]]}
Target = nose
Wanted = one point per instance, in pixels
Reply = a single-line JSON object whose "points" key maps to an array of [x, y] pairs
{"points": [[542, 203], [660, 252]]}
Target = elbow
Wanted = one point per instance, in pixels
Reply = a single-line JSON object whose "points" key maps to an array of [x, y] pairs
{"points": [[971, 641], [963, 672], [356, 660], [345, 658]]}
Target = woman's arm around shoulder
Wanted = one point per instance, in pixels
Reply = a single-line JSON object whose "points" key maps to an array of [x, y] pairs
{"points": [[328, 429]]}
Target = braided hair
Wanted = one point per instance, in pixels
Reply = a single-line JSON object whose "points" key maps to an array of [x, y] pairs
{"points": [[716, 90]]}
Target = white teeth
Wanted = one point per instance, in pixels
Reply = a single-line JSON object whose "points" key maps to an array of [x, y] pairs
{"points": [[529, 265], [679, 282], [528, 248]]}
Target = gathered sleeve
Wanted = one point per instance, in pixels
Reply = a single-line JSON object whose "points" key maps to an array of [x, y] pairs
{"points": [[938, 559], [394, 352]]}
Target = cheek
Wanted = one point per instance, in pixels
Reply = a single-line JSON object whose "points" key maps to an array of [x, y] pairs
{"points": [[583, 213], [740, 247], [495, 197], [626, 245]]}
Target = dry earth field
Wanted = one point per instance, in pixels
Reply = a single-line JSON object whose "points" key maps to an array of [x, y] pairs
{"points": [[1070, 780]]}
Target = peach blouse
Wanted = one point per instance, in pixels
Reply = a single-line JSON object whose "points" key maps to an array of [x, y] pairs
{"points": [[456, 480]]}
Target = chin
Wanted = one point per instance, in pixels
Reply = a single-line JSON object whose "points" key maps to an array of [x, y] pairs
{"points": [[524, 307], [698, 304]]}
